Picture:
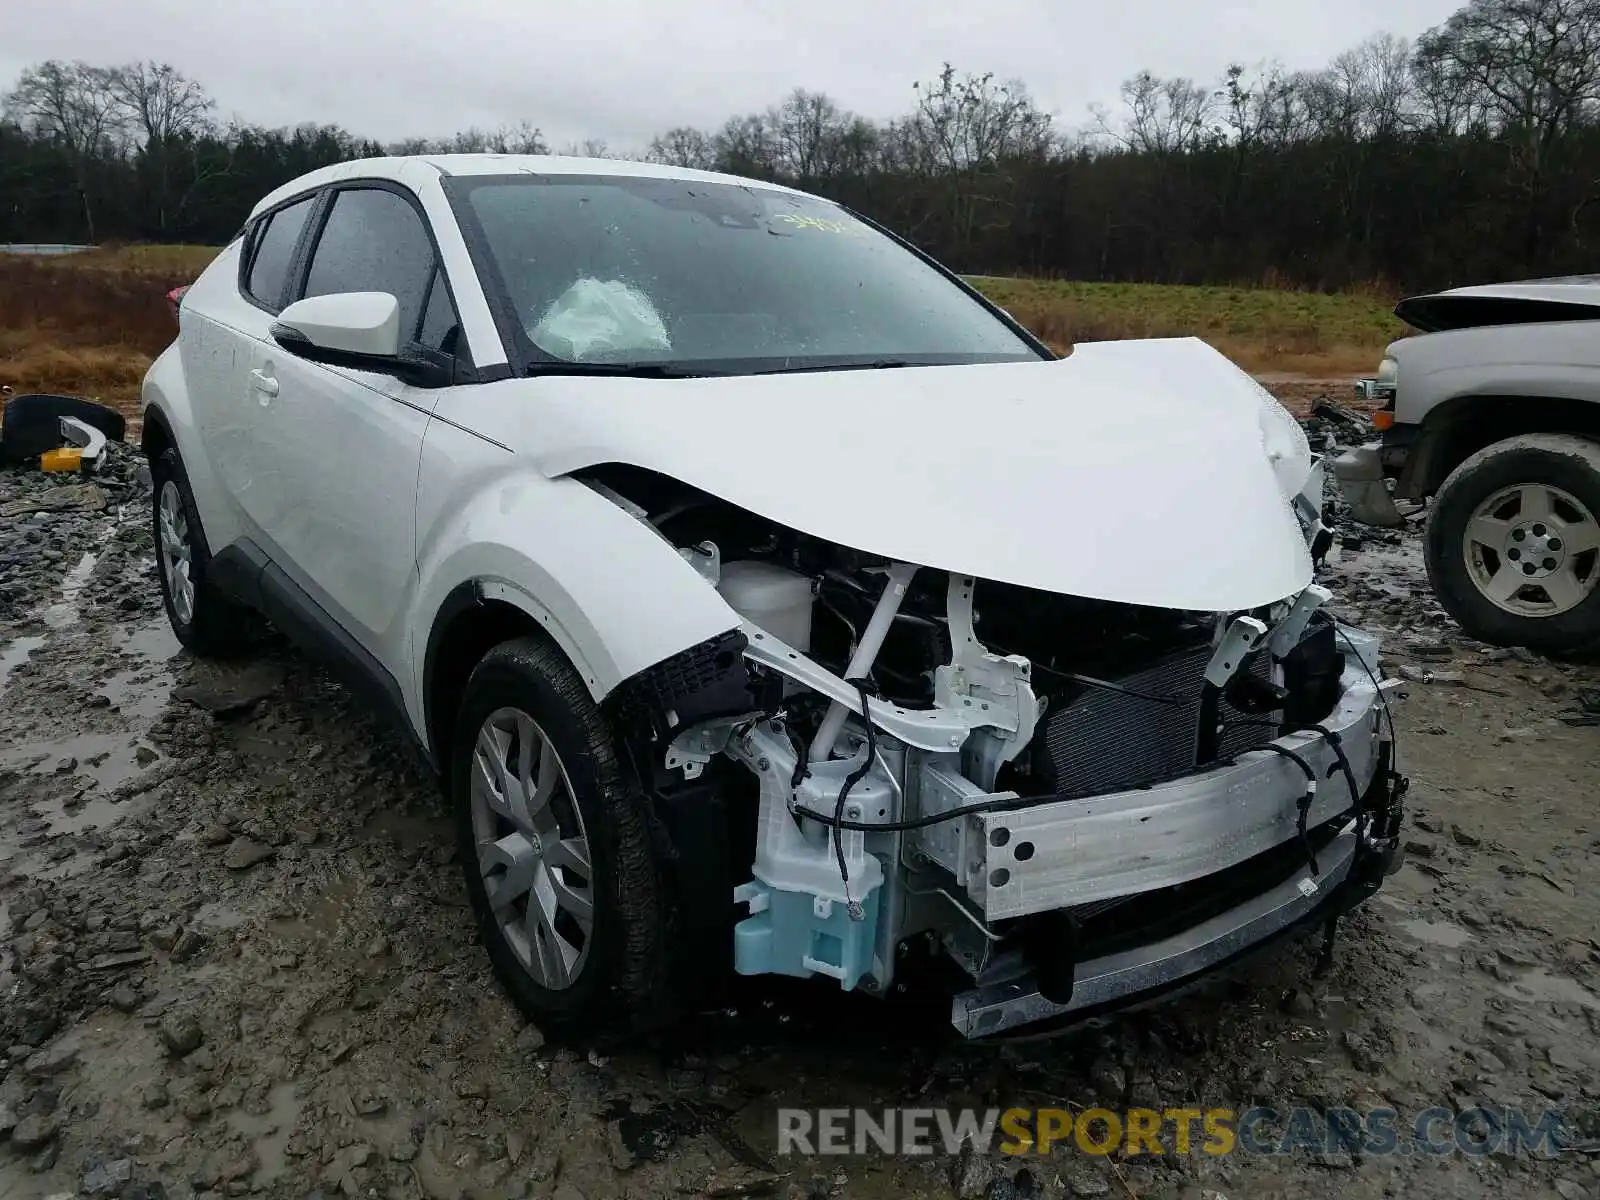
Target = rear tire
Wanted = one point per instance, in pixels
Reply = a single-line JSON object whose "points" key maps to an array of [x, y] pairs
{"points": [[1513, 543], [205, 621], [555, 849]]}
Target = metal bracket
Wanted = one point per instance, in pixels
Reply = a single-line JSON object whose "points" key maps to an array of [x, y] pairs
{"points": [[996, 689], [692, 749], [1244, 634], [1286, 635]]}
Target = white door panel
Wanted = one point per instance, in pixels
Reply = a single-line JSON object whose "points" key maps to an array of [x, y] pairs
{"points": [[222, 338], [339, 504]]}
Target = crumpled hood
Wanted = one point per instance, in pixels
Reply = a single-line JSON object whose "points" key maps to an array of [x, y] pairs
{"points": [[1144, 472]]}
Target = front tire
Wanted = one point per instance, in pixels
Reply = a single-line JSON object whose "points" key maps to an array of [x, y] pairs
{"points": [[556, 852], [1513, 543], [205, 621]]}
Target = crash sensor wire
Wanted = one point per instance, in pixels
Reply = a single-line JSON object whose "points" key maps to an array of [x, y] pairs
{"points": [[1337, 742], [1303, 805], [863, 688], [1019, 803]]}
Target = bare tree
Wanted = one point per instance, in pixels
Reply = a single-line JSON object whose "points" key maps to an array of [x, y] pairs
{"points": [[1534, 67], [1534, 64], [589, 148], [745, 146], [168, 110], [162, 103], [521, 138], [813, 140], [683, 146], [1163, 117], [1365, 92], [76, 105], [972, 120], [1258, 105]]}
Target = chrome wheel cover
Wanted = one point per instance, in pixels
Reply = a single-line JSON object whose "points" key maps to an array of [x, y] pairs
{"points": [[532, 848], [175, 555]]}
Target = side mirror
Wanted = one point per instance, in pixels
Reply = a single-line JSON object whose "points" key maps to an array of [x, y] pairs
{"points": [[358, 330]]}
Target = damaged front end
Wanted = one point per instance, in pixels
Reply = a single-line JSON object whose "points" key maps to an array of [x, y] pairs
{"points": [[1074, 803]]}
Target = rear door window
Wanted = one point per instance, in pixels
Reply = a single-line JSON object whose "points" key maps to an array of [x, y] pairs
{"points": [[274, 253]]}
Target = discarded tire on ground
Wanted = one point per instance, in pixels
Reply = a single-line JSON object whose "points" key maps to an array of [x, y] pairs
{"points": [[31, 424]]}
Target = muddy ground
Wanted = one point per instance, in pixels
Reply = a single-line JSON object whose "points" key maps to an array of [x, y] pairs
{"points": [[236, 957]]}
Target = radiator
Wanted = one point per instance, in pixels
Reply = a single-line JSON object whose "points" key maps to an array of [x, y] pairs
{"points": [[1103, 741]]}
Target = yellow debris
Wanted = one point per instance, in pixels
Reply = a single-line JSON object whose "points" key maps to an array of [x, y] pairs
{"points": [[69, 458]]}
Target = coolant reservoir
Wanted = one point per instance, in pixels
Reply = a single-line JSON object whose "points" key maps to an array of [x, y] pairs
{"points": [[775, 598]]}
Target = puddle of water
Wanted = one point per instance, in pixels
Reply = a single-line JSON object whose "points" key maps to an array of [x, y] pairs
{"points": [[140, 695], [1552, 989], [64, 613], [154, 641], [1444, 934], [97, 812], [14, 655], [106, 758], [270, 1131]]}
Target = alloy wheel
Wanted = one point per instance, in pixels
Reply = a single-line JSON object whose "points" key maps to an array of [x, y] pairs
{"points": [[1533, 550], [532, 848], [176, 554]]}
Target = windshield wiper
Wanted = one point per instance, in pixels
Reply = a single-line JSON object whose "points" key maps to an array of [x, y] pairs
{"points": [[621, 370], [877, 364]]}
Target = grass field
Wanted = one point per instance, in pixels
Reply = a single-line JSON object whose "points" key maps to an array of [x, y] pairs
{"points": [[1262, 329], [89, 324]]}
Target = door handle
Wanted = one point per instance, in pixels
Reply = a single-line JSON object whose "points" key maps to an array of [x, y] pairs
{"points": [[265, 384]]}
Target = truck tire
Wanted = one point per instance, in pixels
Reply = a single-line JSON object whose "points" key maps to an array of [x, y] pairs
{"points": [[206, 622], [1513, 543], [556, 851]]}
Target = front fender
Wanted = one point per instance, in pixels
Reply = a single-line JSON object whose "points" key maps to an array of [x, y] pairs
{"points": [[613, 594]]}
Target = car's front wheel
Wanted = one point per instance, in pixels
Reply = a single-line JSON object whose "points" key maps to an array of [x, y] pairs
{"points": [[1513, 543], [206, 622], [557, 855]]}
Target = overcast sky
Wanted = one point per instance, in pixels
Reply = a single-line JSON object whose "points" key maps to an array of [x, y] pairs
{"points": [[623, 70]]}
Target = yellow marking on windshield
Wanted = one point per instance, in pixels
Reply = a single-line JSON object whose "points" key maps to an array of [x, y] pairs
{"points": [[820, 223]]}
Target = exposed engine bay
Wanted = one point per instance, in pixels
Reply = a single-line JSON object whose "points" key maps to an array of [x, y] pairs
{"points": [[1071, 800]]}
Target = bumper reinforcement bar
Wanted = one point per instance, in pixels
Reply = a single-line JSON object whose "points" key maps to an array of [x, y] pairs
{"points": [[998, 1007]]}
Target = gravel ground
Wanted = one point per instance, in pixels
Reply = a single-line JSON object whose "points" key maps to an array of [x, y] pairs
{"points": [[236, 957]]}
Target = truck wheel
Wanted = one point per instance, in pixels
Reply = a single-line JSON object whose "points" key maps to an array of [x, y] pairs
{"points": [[556, 853], [206, 622], [1513, 543]]}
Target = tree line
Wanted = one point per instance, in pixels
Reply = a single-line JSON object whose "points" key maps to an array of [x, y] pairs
{"points": [[1471, 153]]}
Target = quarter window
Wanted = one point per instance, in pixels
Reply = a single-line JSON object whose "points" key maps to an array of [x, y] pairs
{"points": [[374, 241], [441, 329], [274, 253]]}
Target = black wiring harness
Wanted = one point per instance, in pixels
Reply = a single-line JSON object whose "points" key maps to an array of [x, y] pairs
{"points": [[837, 823]]}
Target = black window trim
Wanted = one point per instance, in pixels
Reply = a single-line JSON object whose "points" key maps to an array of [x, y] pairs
{"points": [[300, 269], [252, 234]]}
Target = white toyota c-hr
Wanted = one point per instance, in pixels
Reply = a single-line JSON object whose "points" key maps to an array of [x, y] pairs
{"points": [[766, 599]]}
